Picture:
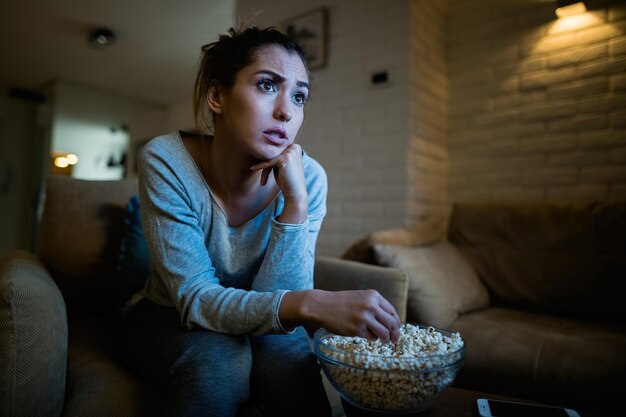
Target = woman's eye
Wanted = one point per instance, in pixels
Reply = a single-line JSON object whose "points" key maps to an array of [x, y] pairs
{"points": [[299, 98], [266, 86]]}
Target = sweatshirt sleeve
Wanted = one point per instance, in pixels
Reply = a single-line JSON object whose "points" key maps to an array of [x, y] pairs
{"points": [[182, 262], [290, 257]]}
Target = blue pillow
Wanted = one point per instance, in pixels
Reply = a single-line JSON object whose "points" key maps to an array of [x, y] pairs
{"points": [[133, 264]]}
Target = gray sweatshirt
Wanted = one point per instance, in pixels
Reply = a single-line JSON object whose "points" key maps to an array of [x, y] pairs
{"points": [[222, 278]]}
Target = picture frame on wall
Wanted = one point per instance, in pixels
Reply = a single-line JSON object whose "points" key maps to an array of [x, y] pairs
{"points": [[309, 31]]}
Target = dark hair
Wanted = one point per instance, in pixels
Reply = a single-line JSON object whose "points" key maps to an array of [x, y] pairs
{"points": [[222, 60]]}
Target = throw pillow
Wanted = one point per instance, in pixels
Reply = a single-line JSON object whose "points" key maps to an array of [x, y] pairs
{"points": [[442, 284], [134, 258]]}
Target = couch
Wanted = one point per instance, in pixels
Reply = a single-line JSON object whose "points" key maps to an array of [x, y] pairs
{"points": [[536, 290], [58, 351]]}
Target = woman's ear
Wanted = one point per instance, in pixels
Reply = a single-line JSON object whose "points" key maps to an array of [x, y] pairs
{"points": [[214, 98]]}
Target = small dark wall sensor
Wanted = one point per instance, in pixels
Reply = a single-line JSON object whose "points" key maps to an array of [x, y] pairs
{"points": [[380, 78]]}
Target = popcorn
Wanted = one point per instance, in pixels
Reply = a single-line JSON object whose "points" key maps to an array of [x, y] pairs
{"points": [[405, 376]]}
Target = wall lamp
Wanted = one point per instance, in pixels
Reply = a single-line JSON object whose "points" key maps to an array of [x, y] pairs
{"points": [[569, 8]]}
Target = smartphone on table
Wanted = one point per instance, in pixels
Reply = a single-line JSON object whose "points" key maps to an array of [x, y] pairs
{"points": [[498, 408]]}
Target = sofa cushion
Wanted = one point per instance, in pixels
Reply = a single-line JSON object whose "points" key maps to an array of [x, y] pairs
{"points": [[548, 258], [79, 237], [532, 355], [442, 284], [33, 339], [98, 382]]}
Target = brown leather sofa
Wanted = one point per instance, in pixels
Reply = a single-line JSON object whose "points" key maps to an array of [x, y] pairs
{"points": [[58, 354], [537, 291]]}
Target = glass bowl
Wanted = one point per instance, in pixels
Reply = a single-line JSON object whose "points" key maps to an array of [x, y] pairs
{"points": [[386, 384]]}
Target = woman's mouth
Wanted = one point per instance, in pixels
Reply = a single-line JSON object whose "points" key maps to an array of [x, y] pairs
{"points": [[275, 136]]}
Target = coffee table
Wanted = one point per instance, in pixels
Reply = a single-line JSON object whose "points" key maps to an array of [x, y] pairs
{"points": [[456, 402]]}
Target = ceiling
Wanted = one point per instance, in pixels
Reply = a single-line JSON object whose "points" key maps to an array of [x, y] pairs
{"points": [[154, 58]]}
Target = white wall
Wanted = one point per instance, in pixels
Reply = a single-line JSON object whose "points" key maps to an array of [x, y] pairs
{"points": [[82, 121], [358, 132]]}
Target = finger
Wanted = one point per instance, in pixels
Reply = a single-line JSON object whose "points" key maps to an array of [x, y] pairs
{"points": [[379, 331], [265, 175], [390, 323], [368, 334], [389, 308]]}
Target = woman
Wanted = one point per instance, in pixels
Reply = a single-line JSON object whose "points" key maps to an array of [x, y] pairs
{"points": [[231, 222]]}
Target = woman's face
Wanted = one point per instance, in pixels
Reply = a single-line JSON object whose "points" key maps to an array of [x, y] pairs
{"points": [[263, 111]]}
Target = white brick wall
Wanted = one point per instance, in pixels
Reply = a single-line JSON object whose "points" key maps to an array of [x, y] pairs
{"points": [[489, 100], [428, 155], [358, 132], [537, 105]]}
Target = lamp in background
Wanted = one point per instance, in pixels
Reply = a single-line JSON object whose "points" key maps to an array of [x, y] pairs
{"points": [[63, 162], [569, 8]]}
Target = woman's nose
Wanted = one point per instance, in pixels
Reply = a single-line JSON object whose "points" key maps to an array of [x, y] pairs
{"points": [[282, 111]]}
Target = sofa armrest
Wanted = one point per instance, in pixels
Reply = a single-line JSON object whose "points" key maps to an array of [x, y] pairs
{"points": [[33, 332], [335, 274]]}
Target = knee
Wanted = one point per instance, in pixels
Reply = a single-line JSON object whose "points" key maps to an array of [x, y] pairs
{"points": [[211, 378]]}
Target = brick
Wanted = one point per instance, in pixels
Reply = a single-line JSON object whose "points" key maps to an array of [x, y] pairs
{"points": [[364, 208], [579, 158], [480, 104], [617, 12], [506, 146], [577, 193], [466, 137], [577, 56], [618, 191], [461, 165], [496, 118], [549, 176], [543, 79], [471, 77], [603, 67], [606, 138], [618, 82], [517, 194], [548, 44], [502, 102], [603, 103], [470, 194], [497, 177], [617, 46], [578, 123], [603, 174], [503, 53], [532, 64], [618, 155], [548, 110], [548, 143], [580, 88], [518, 130], [617, 120], [597, 34], [428, 148]]}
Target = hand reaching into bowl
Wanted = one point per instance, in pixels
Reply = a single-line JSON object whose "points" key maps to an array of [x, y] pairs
{"points": [[363, 313]]}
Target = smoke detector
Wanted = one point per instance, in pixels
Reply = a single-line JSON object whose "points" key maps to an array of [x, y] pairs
{"points": [[101, 38]]}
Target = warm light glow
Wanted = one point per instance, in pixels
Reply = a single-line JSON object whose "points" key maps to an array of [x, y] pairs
{"points": [[575, 22], [61, 162], [572, 9], [72, 159]]}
